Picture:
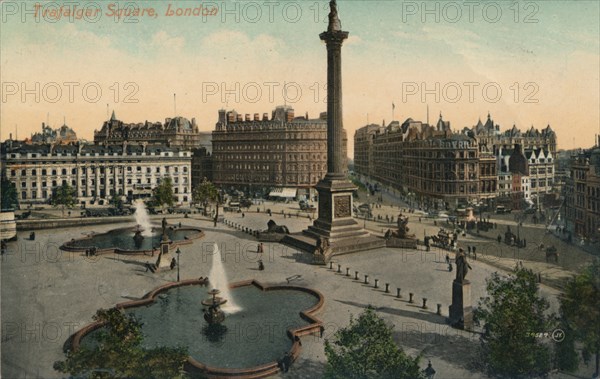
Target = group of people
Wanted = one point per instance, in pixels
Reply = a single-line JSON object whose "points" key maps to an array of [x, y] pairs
{"points": [[259, 251], [91, 252]]}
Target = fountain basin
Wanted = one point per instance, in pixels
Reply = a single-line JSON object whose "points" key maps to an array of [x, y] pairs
{"points": [[271, 323], [121, 241]]}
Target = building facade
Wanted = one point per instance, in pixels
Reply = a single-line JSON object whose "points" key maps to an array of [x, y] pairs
{"points": [[202, 166], [437, 167], [489, 134], [97, 172], [259, 154], [582, 195], [363, 148], [64, 134], [177, 132]]}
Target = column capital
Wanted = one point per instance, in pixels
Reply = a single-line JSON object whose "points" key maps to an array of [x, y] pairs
{"points": [[334, 36]]}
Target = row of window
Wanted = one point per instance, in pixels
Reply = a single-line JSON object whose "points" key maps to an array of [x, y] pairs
{"points": [[92, 182], [102, 170]]}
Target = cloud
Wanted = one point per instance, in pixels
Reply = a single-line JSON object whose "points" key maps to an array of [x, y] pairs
{"points": [[354, 40], [164, 40]]}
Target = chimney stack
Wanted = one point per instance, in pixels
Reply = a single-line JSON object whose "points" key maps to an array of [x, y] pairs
{"points": [[256, 117], [247, 116], [265, 117], [239, 118]]}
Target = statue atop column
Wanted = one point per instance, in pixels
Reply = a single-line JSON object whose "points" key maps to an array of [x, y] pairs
{"points": [[334, 21], [462, 266]]}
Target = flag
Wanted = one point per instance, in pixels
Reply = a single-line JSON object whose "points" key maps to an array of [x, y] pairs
{"points": [[393, 106]]}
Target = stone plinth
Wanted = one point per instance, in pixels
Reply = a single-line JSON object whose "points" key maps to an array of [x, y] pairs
{"points": [[164, 257], [461, 310], [401, 243]]}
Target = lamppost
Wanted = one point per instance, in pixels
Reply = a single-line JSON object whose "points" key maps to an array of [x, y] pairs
{"points": [[178, 252]]}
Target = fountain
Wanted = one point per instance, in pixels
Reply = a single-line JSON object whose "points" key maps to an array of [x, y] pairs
{"points": [[142, 219], [213, 314], [218, 279], [138, 239], [246, 344]]}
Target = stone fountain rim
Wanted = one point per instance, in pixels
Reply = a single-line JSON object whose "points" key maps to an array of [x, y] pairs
{"points": [[67, 246], [192, 365]]}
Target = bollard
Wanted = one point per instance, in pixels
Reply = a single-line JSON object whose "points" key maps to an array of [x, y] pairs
{"points": [[347, 271], [339, 268], [376, 283], [398, 293], [331, 265], [439, 309], [410, 297], [387, 287], [366, 279], [355, 275], [424, 303]]}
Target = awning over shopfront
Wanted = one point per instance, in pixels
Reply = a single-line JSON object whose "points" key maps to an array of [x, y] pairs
{"points": [[288, 193]]}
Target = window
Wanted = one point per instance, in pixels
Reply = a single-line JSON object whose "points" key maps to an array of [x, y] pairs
{"points": [[23, 185], [64, 171], [23, 172], [33, 172]]}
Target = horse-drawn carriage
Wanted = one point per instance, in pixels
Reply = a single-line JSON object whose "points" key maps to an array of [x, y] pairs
{"points": [[443, 239]]}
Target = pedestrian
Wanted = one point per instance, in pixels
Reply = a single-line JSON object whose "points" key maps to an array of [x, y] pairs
{"points": [[447, 259], [469, 250], [243, 215], [87, 252], [260, 250], [147, 266], [450, 267]]}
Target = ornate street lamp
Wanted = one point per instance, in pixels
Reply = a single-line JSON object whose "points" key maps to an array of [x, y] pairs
{"points": [[178, 252]]}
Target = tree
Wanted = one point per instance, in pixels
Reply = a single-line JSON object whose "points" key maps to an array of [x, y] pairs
{"points": [[206, 193], [8, 193], [163, 193], [64, 196], [119, 352], [366, 349], [117, 202], [514, 315], [580, 314]]}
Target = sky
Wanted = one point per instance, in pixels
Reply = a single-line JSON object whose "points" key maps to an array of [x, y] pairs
{"points": [[525, 62]]}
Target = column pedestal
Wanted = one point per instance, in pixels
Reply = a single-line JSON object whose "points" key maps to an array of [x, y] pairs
{"points": [[461, 310]]}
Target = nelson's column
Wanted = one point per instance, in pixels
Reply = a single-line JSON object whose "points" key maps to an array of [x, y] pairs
{"points": [[335, 225]]}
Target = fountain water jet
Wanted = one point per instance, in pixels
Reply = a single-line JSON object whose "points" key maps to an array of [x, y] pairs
{"points": [[142, 218], [218, 279]]}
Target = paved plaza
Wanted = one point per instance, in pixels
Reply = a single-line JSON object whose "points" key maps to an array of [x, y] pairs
{"points": [[47, 294]]}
